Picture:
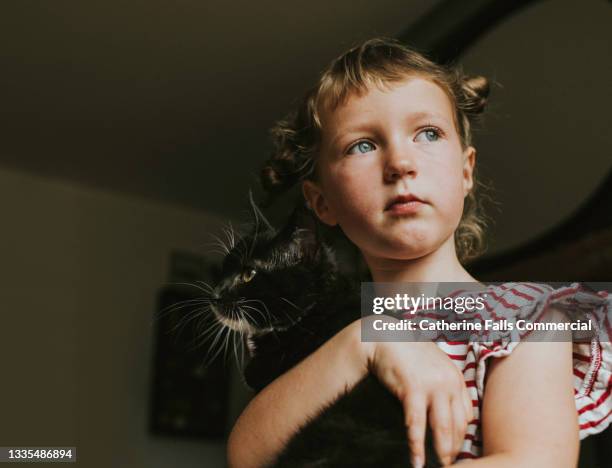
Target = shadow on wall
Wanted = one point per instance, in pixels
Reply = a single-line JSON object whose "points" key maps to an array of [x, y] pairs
{"points": [[580, 249]]}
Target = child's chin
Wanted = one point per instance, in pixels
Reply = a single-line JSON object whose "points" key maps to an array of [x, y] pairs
{"points": [[416, 248]]}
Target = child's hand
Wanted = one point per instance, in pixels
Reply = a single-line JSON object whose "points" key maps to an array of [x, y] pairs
{"points": [[426, 381]]}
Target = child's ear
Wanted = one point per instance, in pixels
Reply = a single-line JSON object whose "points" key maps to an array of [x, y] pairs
{"points": [[316, 200], [469, 160]]}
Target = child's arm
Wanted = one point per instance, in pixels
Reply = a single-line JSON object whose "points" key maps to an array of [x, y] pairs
{"points": [[272, 416], [275, 413], [529, 413]]}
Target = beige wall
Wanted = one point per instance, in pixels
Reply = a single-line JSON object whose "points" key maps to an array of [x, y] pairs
{"points": [[546, 140], [80, 271]]}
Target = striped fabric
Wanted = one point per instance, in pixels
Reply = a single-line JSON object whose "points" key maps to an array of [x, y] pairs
{"points": [[592, 361]]}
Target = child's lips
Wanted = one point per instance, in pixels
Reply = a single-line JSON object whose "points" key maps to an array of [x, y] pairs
{"points": [[404, 199], [405, 207]]}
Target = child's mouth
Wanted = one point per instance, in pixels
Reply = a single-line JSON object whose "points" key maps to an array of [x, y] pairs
{"points": [[402, 208]]}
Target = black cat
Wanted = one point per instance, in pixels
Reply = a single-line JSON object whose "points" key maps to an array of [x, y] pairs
{"points": [[283, 293]]}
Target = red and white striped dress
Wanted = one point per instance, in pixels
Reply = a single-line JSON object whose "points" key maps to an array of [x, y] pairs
{"points": [[592, 361]]}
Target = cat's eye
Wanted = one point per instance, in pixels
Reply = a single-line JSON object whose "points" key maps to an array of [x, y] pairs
{"points": [[248, 275]]}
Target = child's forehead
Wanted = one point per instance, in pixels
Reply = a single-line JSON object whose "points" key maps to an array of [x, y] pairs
{"points": [[414, 94]]}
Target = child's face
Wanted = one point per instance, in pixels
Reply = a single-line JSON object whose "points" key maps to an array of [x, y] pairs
{"points": [[380, 145]]}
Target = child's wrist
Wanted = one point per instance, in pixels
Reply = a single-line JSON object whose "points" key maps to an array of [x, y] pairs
{"points": [[363, 351]]}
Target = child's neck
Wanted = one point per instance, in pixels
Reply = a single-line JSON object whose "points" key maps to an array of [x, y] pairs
{"points": [[441, 265]]}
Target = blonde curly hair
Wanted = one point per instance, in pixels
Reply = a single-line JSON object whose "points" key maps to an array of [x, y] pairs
{"points": [[379, 61]]}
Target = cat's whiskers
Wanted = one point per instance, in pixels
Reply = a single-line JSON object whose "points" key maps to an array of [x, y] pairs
{"points": [[259, 329], [211, 250], [242, 309], [233, 238], [213, 328], [201, 301], [254, 239], [229, 234], [198, 312], [242, 312], [218, 334], [217, 242], [177, 306], [243, 301], [226, 344], [262, 303], [206, 287], [206, 322], [234, 323], [235, 333], [207, 292], [210, 330], [239, 339], [258, 214], [294, 321], [219, 341], [202, 337], [291, 303], [185, 319]]}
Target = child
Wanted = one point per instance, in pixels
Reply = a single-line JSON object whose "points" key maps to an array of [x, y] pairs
{"points": [[385, 122]]}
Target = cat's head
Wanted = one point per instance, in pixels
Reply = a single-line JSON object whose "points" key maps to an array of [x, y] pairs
{"points": [[271, 278]]}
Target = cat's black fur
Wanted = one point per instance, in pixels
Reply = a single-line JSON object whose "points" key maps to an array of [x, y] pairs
{"points": [[296, 300]]}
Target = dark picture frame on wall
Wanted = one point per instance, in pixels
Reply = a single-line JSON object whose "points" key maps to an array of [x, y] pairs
{"points": [[189, 393]]}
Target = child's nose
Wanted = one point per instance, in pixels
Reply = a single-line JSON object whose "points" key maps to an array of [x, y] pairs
{"points": [[399, 162]]}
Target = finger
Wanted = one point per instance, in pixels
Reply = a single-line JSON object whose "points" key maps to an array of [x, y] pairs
{"points": [[415, 411], [459, 425], [441, 425]]}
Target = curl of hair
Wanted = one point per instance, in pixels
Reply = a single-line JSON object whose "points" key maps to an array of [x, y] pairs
{"points": [[376, 62], [291, 159]]}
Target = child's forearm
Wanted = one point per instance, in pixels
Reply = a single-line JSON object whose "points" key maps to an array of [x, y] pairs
{"points": [[498, 460], [514, 460], [275, 413]]}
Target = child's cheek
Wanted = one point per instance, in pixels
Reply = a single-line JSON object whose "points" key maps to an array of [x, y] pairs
{"points": [[356, 204], [450, 198], [441, 181], [352, 187]]}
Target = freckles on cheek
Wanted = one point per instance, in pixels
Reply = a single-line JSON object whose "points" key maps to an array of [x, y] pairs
{"points": [[353, 205], [346, 189], [349, 201]]}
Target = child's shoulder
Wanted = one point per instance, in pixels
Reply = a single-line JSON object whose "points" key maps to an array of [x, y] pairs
{"points": [[592, 358], [525, 298]]}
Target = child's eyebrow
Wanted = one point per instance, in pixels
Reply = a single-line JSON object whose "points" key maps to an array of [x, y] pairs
{"points": [[365, 125], [421, 114]]}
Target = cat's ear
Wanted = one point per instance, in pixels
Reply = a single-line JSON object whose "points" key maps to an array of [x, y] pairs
{"points": [[303, 218], [258, 216], [304, 228], [306, 241]]}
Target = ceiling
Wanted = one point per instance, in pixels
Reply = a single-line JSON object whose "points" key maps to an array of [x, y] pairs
{"points": [[172, 101], [168, 100]]}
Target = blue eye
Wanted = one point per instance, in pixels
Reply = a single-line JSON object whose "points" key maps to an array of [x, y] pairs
{"points": [[362, 146], [432, 134]]}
